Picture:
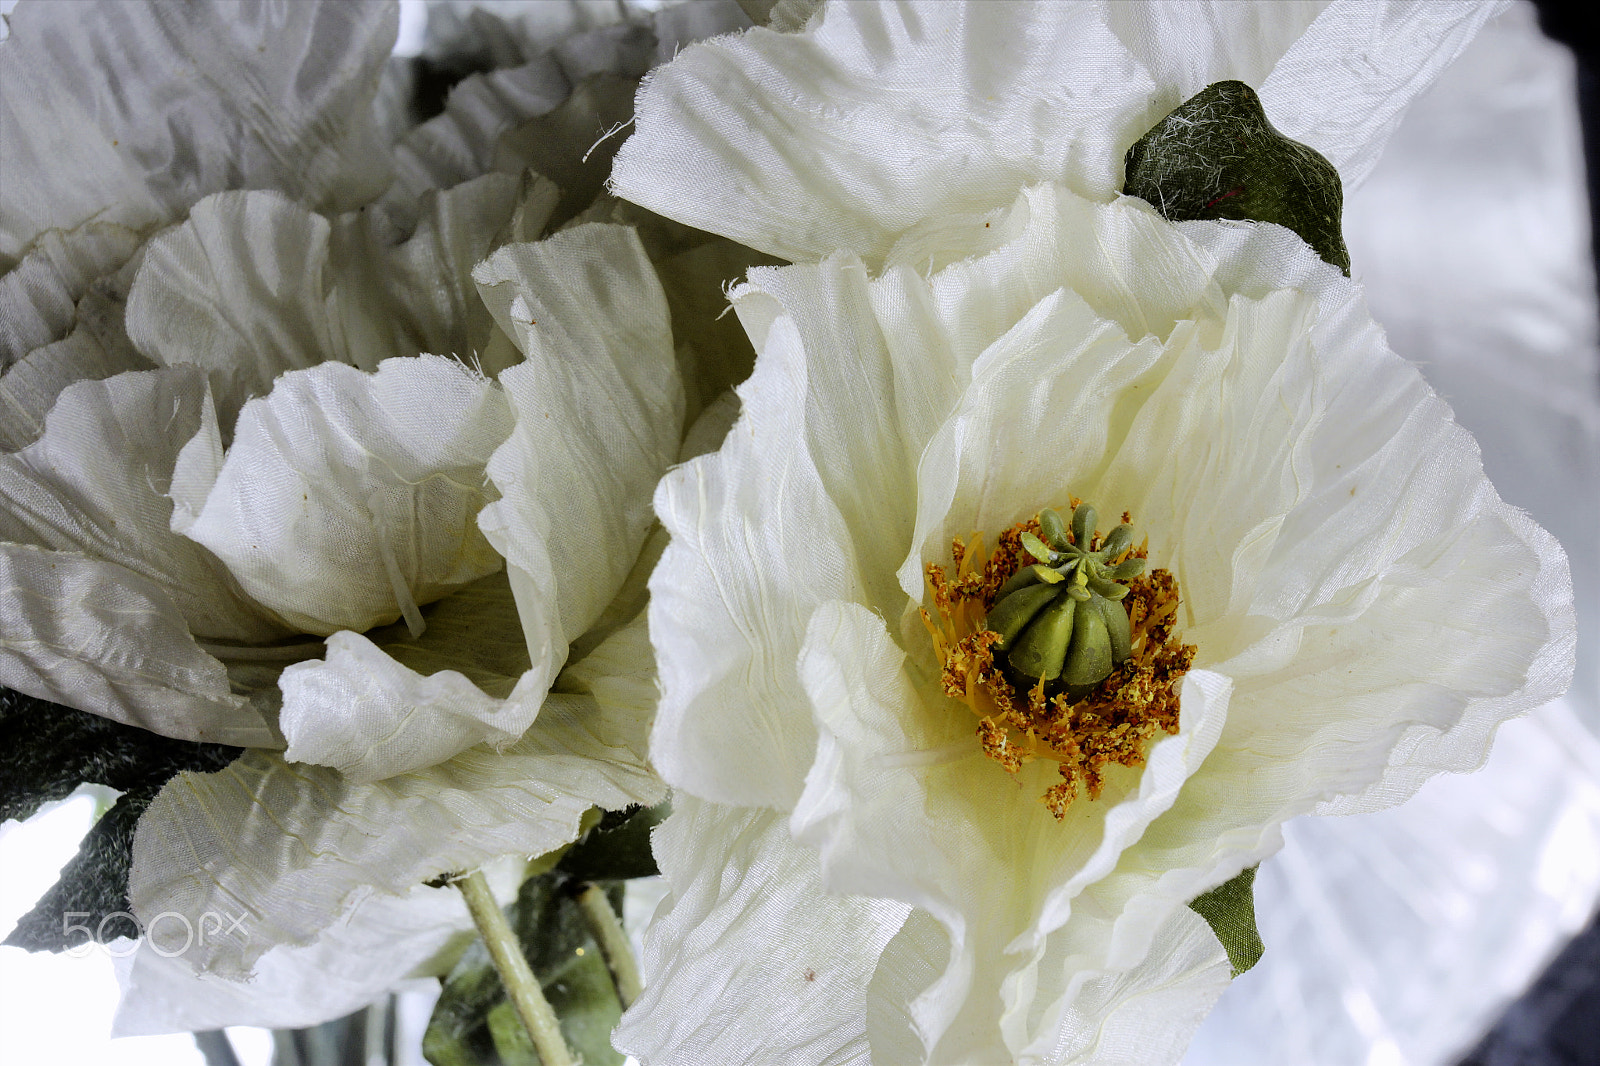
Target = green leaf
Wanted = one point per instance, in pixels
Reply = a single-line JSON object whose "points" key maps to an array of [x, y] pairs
{"points": [[51, 750], [473, 1024], [1217, 157], [1230, 910], [618, 848]]}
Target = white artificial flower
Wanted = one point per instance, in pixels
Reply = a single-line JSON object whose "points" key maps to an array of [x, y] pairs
{"points": [[290, 531], [1008, 335], [1365, 612]]}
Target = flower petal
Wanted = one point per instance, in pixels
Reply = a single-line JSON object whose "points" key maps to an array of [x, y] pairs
{"points": [[347, 499], [385, 941], [873, 119], [95, 482], [387, 703], [903, 92], [900, 778], [96, 636], [750, 960], [297, 847], [599, 415], [94, 128], [253, 286]]}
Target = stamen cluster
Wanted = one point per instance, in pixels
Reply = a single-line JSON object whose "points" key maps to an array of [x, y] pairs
{"points": [[1083, 729]]}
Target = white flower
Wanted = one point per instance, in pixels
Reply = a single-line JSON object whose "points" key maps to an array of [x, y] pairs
{"points": [[1365, 610], [288, 529]]}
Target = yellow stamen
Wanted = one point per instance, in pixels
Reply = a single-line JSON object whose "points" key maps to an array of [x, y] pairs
{"points": [[1115, 723]]}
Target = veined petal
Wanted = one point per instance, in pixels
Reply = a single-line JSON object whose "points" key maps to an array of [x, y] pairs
{"points": [[903, 92], [751, 960], [297, 847], [347, 499], [39, 298], [94, 635], [253, 286], [95, 483], [94, 129], [873, 119], [900, 778], [385, 941], [599, 415], [387, 702]]}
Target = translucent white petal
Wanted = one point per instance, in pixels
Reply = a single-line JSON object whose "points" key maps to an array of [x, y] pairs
{"points": [[387, 703], [901, 802], [750, 960], [253, 285], [926, 109], [873, 119], [298, 846], [347, 499], [96, 636], [599, 415], [39, 298], [387, 940], [98, 123], [95, 483]]}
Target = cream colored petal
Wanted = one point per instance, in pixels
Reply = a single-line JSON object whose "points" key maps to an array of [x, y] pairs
{"points": [[599, 414], [295, 847], [39, 298], [96, 636], [348, 499], [95, 482], [386, 943], [387, 702], [901, 802], [253, 286], [750, 959], [99, 121], [30, 387], [875, 117]]}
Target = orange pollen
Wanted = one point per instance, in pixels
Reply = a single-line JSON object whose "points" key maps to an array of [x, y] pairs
{"points": [[1115, 723]]}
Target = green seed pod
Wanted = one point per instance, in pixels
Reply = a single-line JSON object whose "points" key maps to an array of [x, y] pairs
{"points": [[1108, 589], [1117, 542], [1041, 648], [1126, 569], [1083, 526], [1117, 627], [1054, 530], [1014, 612], [1089, 657], [1019, 580]]}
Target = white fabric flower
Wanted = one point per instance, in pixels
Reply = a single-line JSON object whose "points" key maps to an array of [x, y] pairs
{"points": [[1366, 612]]}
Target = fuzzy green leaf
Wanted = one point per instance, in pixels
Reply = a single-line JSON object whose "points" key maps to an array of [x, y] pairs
{"points": [[1230, 910], [1217, 157]]}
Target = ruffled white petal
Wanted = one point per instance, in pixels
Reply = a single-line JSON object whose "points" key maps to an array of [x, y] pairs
{"points": [[95, 483], [94, 635], [253, 286], [385, 942], [94, 129], [750, 960], [387, 702], [297, 847], [875, 118], [599, 415], [901, 802], [347, 499]]}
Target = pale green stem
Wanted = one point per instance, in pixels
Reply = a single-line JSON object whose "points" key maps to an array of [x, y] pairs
{"points": [[607, 931], [521, 986]]}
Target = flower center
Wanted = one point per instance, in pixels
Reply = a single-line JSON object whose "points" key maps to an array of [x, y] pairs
{"points": [[1062, 646]]}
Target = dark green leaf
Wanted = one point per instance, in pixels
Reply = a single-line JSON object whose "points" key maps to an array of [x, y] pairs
{"points": [[49, 751], [1217, 157], [618, 848], [1230, 910], [474, 1025]]}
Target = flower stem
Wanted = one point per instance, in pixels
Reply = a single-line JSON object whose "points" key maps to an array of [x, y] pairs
{"points": [[607, 931], [521, 986]]}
